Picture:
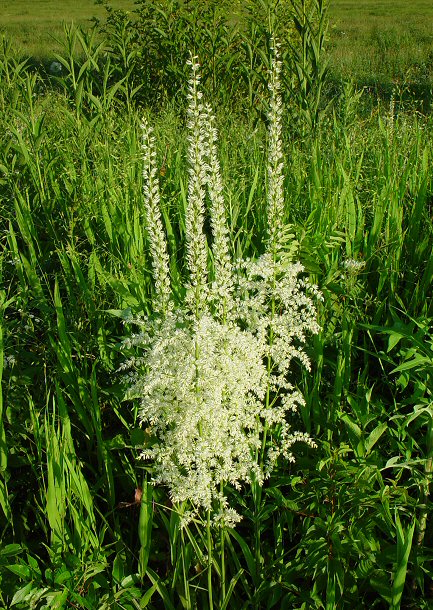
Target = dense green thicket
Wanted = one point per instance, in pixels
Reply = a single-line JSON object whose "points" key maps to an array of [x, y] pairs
{"points": [[348, 524]]}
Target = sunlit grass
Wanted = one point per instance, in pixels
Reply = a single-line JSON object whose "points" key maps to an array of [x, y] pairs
{"points": [[35, 26], [382, 42]]}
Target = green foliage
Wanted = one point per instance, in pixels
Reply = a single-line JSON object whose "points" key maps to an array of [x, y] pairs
{"points": [[232, 42], [348, 525]]}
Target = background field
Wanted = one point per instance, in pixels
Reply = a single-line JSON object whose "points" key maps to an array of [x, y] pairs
{"points": [[34, 26], [387, 43]]}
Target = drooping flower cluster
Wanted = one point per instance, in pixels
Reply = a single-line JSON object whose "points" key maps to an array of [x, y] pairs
{"points": [[202, 395], [215, 374]]}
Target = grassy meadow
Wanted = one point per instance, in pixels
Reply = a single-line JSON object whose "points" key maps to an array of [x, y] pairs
{"points": [[141, 270], [382, 43], [36, 27]]}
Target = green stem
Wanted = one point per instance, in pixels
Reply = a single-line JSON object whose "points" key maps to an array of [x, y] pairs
{"points": [[185, 577], [223, 566], [425, 488], [209, 561], [223, 562]]}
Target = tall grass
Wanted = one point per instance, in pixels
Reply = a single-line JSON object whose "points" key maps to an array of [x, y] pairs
{"points": [[347, 525]]}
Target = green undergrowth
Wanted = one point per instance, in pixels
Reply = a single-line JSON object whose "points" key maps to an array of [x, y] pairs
{"points": [[348, 524]]}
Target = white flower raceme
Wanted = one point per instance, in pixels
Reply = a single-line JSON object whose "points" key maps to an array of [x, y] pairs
{"points": [[214, 380], [198, 178], [158, 244], [223, 273], [275, 158]]}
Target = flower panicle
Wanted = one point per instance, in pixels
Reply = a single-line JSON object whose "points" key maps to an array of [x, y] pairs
{"points": [[216, 370], [223, 268]]}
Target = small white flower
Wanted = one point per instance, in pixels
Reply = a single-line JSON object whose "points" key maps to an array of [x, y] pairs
{"points": [[10, 361], [55, 68], [353, 266]]}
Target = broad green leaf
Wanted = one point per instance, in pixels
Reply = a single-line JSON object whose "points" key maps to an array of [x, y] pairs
{"points": [[57, 600], [10, 550], [22, 594], [118, 571], [130, 581], [380, 582], [374, 436], [20, 570]]}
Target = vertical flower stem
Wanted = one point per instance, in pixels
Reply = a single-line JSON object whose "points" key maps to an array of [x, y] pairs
{"points": [[223, 562], [223, 566], [209, 561], [185, 576], [257, 489]]}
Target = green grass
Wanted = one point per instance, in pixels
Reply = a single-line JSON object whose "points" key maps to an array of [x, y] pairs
{"points": [[35, 26], [382, 42]]}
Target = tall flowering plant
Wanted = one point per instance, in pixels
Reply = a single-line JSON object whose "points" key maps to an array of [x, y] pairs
{"points": [[214, 381]]}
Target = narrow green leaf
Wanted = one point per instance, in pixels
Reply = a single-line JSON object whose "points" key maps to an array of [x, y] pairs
{"points": [[249, 558], [404, 546], [230, 590], [145, 527], [148, 596], [160, 587]]}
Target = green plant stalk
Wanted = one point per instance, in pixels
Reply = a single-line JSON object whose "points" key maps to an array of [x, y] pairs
{"points": [[223, 562], [4, 497], [257, 489], [209, 560], [185, 575], [425, 489]]}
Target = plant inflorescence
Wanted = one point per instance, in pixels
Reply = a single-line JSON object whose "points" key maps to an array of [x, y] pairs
{"points": [[214, 382]]}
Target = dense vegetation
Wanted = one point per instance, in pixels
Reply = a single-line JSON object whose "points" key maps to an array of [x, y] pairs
{"points": [[348, 524], [382, 45]]}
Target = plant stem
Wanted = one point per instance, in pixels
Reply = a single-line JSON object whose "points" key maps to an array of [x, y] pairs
{"points": [[185, 576], [223, 562], [425, 490], [209, 561], [223, 566]]}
